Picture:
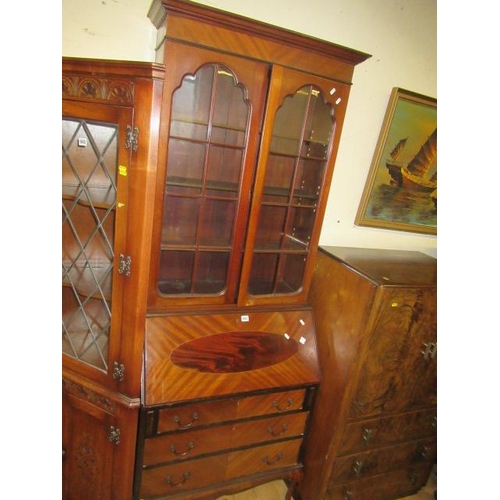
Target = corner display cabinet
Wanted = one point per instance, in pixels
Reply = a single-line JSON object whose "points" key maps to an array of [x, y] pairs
{"points": [[376, 328], [194, 190]]}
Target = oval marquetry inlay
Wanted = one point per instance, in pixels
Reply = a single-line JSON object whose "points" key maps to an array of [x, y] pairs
{"points": [[234, 352]]}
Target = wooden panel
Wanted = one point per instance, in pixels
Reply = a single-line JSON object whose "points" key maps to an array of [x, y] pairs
{"points": [[367, 434], [165, 333]]}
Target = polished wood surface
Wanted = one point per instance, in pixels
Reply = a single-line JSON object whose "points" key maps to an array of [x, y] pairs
{"points": [[165, 334], [375, 314], [261, 387]]}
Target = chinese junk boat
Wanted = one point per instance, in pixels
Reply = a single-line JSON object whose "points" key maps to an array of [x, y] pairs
{"points": [[415, 175]]}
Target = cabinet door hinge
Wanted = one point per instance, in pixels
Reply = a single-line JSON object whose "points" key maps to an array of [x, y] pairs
{"points": [[125, 264], [132, 138], [114, 435], [118, 371]]}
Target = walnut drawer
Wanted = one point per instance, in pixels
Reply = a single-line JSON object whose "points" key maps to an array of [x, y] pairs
{"points": [[187, 444], [199, 414], [381, 460], [191, 474], [373, 433], [395, 484]]}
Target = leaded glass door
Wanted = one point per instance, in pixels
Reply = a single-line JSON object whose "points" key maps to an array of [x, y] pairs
{"points": [[94, 171]]}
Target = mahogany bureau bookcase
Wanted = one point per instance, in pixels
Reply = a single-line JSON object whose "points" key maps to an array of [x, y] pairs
{"points": [[374, 434], [194, 190]]}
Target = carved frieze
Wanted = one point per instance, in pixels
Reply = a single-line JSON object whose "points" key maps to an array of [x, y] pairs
{"points": [[89, 395], [98, 89]]}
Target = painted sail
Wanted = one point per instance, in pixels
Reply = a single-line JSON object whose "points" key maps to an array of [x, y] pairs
{"points": [[423, 159], [397, 150]]}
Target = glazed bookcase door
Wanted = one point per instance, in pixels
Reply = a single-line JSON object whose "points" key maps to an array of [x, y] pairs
{"points": [[208, 131], [303, 120], [94, 167]]}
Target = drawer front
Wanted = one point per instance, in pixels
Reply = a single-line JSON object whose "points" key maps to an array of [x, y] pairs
{"points": [[263, 458], [182, 476], [199, 414], [182, 445], [383, 460], [269, 429], [369, 434], [396, 484]]}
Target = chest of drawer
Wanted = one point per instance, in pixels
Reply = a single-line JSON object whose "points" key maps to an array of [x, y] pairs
{"points": [[183, 417], [187, 475], [187, 444], [382, 460], [369, 434]]}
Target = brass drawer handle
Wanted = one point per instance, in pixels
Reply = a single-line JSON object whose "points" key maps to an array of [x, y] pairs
{"points": [[289, 401], [357, 466], [194, 418], [185, 477], [266, 460], [347, 494], [190, 446], [367, 435], [424, 452], [277, 434]]}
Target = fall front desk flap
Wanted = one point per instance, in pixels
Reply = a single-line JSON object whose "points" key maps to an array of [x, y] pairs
{"points": [[200, 356]]}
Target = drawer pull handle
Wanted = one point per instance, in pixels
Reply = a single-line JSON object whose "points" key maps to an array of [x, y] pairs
{"points": [[276, 434], [347, 494], [367, 435], [194, 418], [185, 477], [190, 446], [424, 452], [357, 466], [289, 401], [266, 460]]}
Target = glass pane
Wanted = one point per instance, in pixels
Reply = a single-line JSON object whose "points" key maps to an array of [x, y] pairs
{"points": [[279, 178], [180, 209], [231, 111], [211, 272], [191, 105], [272, 227], [216, 223], [186, 161], [224, 170], [89, 167], [264, 274], [176, 271], [205, 162], [295, 170], [299, 228], [293, 273]]}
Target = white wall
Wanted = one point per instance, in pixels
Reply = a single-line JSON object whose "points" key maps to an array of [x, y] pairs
{"points": [[401, 35]]}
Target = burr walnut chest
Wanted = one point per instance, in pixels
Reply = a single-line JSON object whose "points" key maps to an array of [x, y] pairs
{"points": [[373, 436]]}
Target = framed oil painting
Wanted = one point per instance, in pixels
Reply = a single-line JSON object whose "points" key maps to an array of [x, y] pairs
{"points": [[401, 188]]}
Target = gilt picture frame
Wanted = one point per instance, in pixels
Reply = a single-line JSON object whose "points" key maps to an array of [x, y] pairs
{"points": [[401, 188]]}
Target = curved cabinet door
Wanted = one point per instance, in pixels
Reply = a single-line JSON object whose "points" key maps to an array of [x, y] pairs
{"points": [[302, 127], [209, 136], [93, 231]]}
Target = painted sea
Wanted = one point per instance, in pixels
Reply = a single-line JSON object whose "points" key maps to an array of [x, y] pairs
{"points": [[390, 203]]}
